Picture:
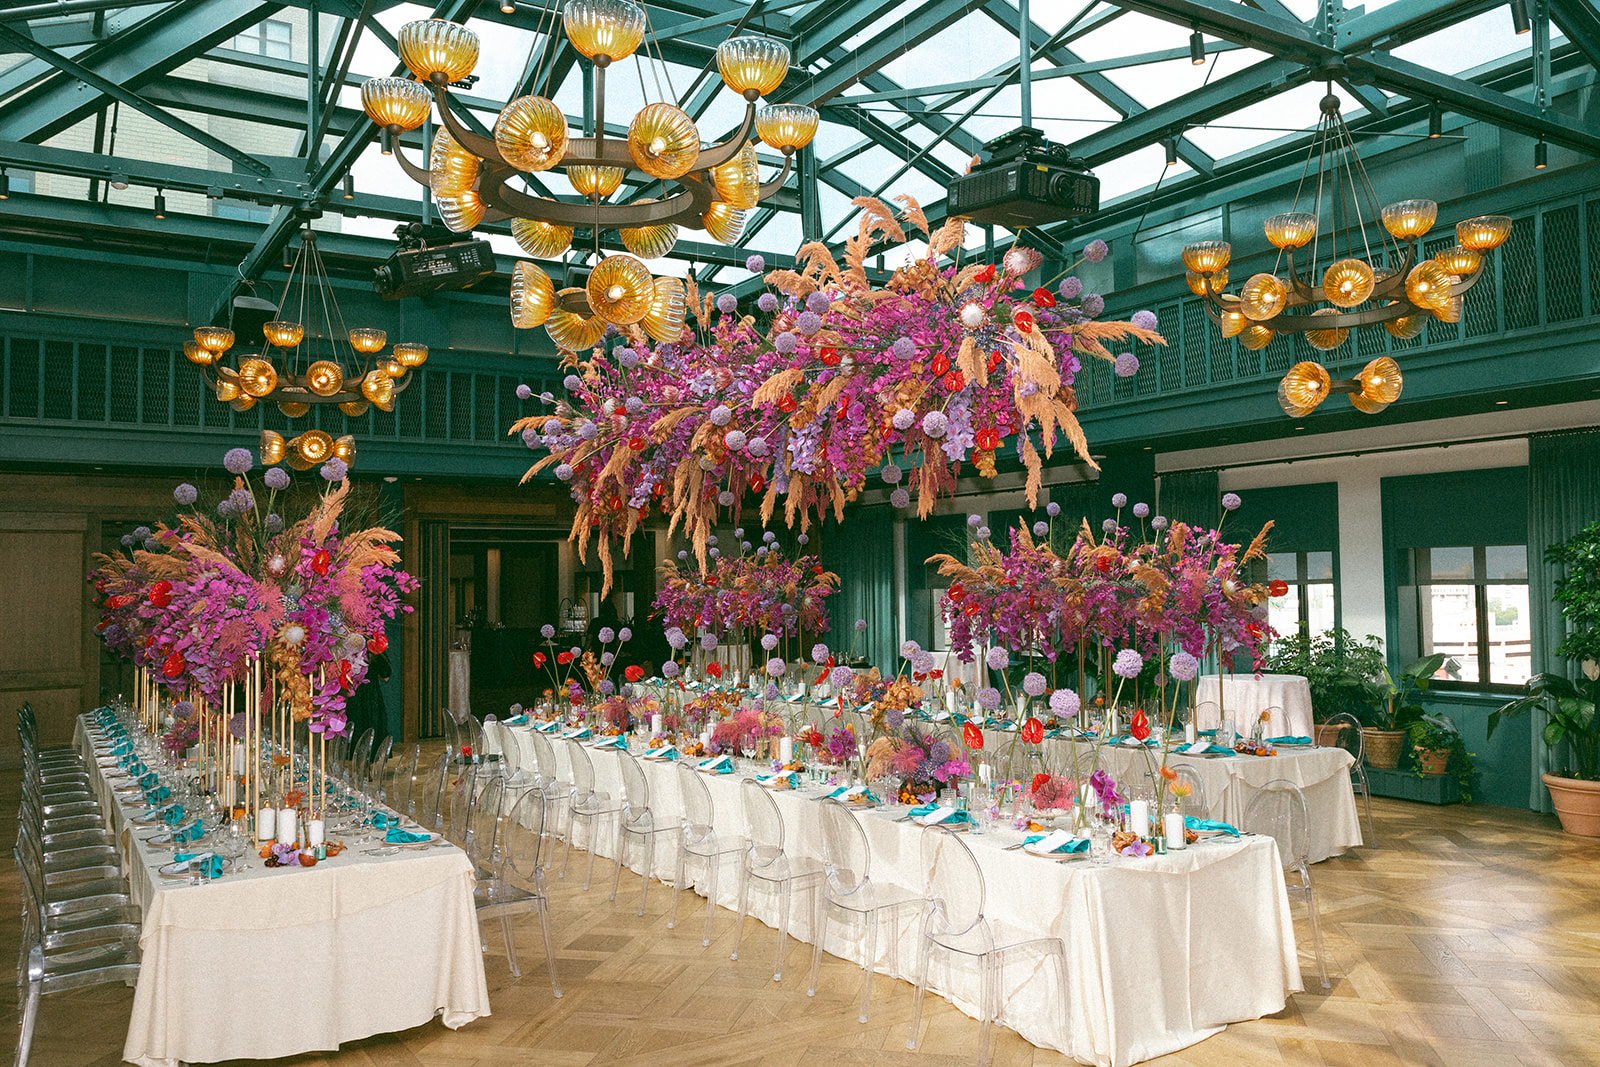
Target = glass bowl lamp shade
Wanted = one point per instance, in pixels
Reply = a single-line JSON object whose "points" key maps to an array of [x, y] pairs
{"points": [[620, 290], [462, 213], [1406, 326], [1197, 282], [1380, 383], [1409, 219], [194, 353], [1347, 283], [227, 389], [272, 448], [411, 354], [786, 127], [345, 448], [1294, 229], [604, 28], [393, 368], [257, 378], [533, 295], [216, 339], [531, 133], [1262, 297], [1232, 322], [663, 141], [378, 387], [242, 403], [282, 333], [1303, 389], [649, 242], [663, 322], [738, 181], [1483, 233], [1255, 336], [354, 408], [313, 446], [1460, 260], [752, 66], [1428, 286], [367, 340], [723, 222], [1326, 340], [541, 239], [595, 182], [438, 46], [571, 331], [1452, 310], [451, 168], [293, 409], [396, 103], [324, 377], [1203, 257]]}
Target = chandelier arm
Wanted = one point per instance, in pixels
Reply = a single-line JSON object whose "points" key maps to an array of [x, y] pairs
{"points": [[412, 171], [480, 146], [683, 206], [1287, 322], [718, 154], [1467, 282], [771, 187]]}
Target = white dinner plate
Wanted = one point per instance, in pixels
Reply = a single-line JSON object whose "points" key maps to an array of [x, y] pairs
{"points": [[181, 867]]}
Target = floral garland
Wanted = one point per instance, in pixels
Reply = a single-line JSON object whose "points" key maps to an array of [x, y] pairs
{"points": [[761, 591], [843, 383]]}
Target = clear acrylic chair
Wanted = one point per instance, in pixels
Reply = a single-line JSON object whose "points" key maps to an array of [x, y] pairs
{"points": [[430, 790], [462, 791], [1351, 741], [699, 841], [355, 769], [517, 883], [1279, 810], [954, 922], [1195, 804], [399, 778], [636, 822], [766, 863], [557, 791], [379, 764], [850, 890], [483, 823], [587, 804]]}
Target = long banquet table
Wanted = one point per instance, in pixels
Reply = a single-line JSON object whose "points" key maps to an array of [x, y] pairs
{"points": [[1161, 952], [266, 963]]}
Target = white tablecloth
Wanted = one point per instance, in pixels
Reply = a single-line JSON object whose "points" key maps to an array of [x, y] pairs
{"points": [[1242, 697], [276, 962], [1157, 955]]}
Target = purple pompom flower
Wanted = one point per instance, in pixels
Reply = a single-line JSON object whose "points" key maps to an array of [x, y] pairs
{"points": [[186, 494], [935, 425], [1052, 509], [775, 667], [547, 631], [983, 533], [997, 658], [1033, 684], [755, 264], [276, 478], [1231, 501], [1128, 663], [1119, 500], [819, 653], [1158, 523], [1145, 320], [669, 669], [727, 303], [524, 392], [237, 460], [708, 641], [988, 698], [1065, 703], [900, 498], [903, 348], [1092, 304], [335, 470], [1182, 666], [721, 415], [676, 638], [1126, 365], [891, 474], [769, 641], [818, 302], [242, 500], [840, 677], [1041, 528], [1140, 510], [861, 626], [786, 342], [1095, 250], [903, 418], [606, 635], [767, 302], [808, 322], [1070, 288]]}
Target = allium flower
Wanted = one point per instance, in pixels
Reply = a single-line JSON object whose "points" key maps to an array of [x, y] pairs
{"points": [[1052, 509], [1092, 304], [1070, 288], [588, 430], [903, 348], [708, 641], [711, 540], [1231, 501], [757, 448], [186, 494], [922, 662], [1128, 663], [242, 500], [939, 752], [524, 392], [755, 264], [547, 631], [607, 659], [997, 658], [1065, 703], [808, 322], [274, 524], [676, 638], [683, 554], [725, 498], [624, 635], [276, 478], [1119, 500], [909, 649], [606, 635], [1159, 522], [1126, 365], [738, 531], [237, 460], [903, 418], [861, 626], [894, 718], [1041, 528], [564, 472], [769, 537], [775, 667], [1108, 525], [767, 302], [727, 303], [669, 669], [1182, 666], [735, 440], [840, 677], [804, 539], [935, 424], [818, 302], [127, 540], [769, 641], [1033, 684], [900, 498], [1145, 320], [721, 415], [335, 470], [983, 533], [572, 383], [988, 698], [1095, 250], [141, 533], [627, 358], [891, 474], [225, 509], [633, 405], [771, 691]]}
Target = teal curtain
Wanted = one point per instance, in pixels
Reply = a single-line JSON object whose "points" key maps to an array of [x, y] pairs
{"points": [[1563, 497], [1192, 497], [860, 551], [1080, 502]]}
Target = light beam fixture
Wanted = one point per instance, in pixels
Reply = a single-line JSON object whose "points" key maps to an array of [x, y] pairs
{"points": [[1197, 48], [1519, 18]]}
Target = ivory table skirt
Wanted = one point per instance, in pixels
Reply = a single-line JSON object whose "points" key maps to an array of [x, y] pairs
{"points": [[1242, 697]]}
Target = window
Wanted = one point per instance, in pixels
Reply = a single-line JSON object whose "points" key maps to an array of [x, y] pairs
{"points": [[1309, 603], [1471, 603], [268, 37]]}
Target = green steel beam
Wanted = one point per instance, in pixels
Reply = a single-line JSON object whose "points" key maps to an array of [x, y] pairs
{"points": [[1405, 20], [1276, 34], [1579, 22], [287, 187], [868, 58]]}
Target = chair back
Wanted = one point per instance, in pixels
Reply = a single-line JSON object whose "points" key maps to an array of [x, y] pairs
{"points": [[462, 792], [635, 789], [1349, 738], [1207, 714], [845, 856], [1279, 810], [379, 764], [510, 748], [699, 813], [356, 769], [1195, 803], [521, 838], [954, 887], [402, 773], [472, 734], [429, 791], [483, 820], [544, 756], [763, 823], [582, 769]]}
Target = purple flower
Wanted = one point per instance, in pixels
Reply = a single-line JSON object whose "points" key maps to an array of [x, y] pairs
{"points": [[817, 302], [997, 658], [524, 392], [771, 691], [588, 430], [572, 383], [735, 440], [633, 405], [935, 425], [1065, 703], [1126, 365], [755, 264], [186, 494], [727, 303], [276, 478], [903, 348], [775, 667], [903, 418], [335, 470], [242, 500], [1128, 663], [1052, 509], [1108, 525], [808, 322], [127, 540], [1145, 320], [274, 523], [225, 509], [1070, 288], [769, 537], [922, 662], [669, 669], [725, 498], [1231, 501], [757, 448], [1033, 684], [786, 342], [141, 533], [237, 460], [891, 474], [1140, 510], [767, 302], [607, 686], [1182, 666], [708, 641], [939, 752], [983, 533], [894, 718], [547, 631], [803, 539], [840, 677], [1092, 304], [1041, 528], [1158, 523], [607, 635], [683, 554], [721, 415], [1119, 500], [769, 641], [861, 626], [900, 498], [1095, 250], [988, 698]]}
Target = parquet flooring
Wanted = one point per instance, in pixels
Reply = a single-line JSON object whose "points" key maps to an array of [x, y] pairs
{"points": [[1472, 936]]}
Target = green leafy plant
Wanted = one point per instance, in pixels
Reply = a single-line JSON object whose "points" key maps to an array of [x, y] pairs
{"points": [[1440, 734], [1401, 702], [1345, 675], [1571, 719]]}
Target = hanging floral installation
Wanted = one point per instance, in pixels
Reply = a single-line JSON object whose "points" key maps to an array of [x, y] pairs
{"points": [[198, 602], [839, 384], [759, 591]]}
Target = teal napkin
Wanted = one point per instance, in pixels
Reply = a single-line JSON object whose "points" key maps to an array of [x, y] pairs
{"points": [[382, 820], [1125, 738], [999, 724], [520, 720], [1192, 823], [791, 778], [210, 862], [1075, 844], [846, 792], [397, 836], [154, 796], [928, 809], [1289, 739], [1069, 732], [580, 735], [615, 741], [718, 764], [668, 752], [149, 781], [1207, 733], [193, 832], [173, 815], [1202, 748]]}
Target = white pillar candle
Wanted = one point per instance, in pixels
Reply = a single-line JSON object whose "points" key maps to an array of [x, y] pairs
{"points": [[950, 701], [1111, 723], [655, 723], [984, 773], [1174, 827], [1022, 706], [705, 737], [266, 824], [238, 757], [1188, 732], [287, 820], [1139, 815], [314, 832], [786, 750]]}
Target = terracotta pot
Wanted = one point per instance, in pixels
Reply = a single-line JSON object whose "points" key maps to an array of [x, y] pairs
{"points": [[1382, 747], [1432, 761], [1331, 735], [1577, 804]]}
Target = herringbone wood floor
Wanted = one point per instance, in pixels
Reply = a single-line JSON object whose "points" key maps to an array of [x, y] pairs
{"points": [[1472, 936]]}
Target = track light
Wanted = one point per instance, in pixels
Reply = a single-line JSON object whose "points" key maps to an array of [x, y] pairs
{"points": [[161, 205], [1197, 47], [5, 186], [119, 181], [1541, 156], [349, 187], [1435, 121], [508, 7], [386, 142], [1519, 18], [1171, 145]]}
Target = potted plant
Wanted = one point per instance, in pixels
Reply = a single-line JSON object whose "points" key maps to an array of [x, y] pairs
{"points": [[1569, 704], [1341, 672], [1433, 740], [1388, 718]]}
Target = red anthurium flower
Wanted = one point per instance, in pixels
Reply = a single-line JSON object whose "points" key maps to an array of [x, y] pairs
{"points": [[538, 659], [659, 490], [173, 665], [1023, 320], [633, 672], [161, 593], [786, 403], [149, 640], [1278, 587], [757, 483], [1253, 629], [940, 365], [954, 381], [100, 626], [1044, 298], [985, 273], [344, 674], [994, 361], [563, 658], [814, 737], [614, 501], [829, 356], [956, 592], [1140, 728], [714, 669], [1103, 564], [1032, 731], [971, 609], [121, 600], [644, 510], [466, 751], [378, 643], [972, 736], [636, 443], [321, 561], [936, 674], [987, 438], [1040, 780]]}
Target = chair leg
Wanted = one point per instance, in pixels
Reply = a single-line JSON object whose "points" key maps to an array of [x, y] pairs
{"points": [[785, 891], [549, 947], [744, 909], [30, 1016], [867, 963], [921, 991], [677, 890], [649, 865], [594, 836], [986, 1005], [712, 863], [1366, 798], [566, 849], [616, 876], [511, 948], [1316, 927], [819, 935]]}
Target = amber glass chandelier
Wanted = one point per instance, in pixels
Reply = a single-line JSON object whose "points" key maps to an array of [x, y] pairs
{"points": [[308, 356], [1343, 280], [477, 178]]}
